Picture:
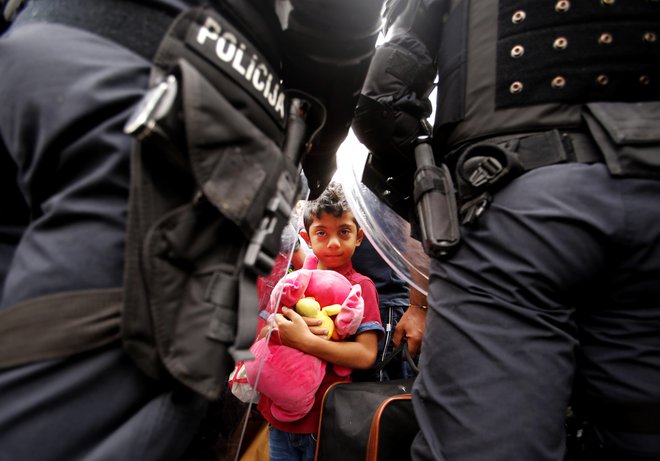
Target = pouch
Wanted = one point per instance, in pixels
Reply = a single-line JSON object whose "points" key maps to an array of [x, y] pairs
{"points": [[628, 135], [205, 175]]}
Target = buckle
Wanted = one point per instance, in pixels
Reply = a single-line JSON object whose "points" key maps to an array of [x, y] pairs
{"points": [[486, 170], [257, 256], [264, 245], [154, 106], [474, 208], [485, 167]]}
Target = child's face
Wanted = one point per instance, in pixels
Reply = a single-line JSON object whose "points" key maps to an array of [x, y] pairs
{"points": [[333, 239]]}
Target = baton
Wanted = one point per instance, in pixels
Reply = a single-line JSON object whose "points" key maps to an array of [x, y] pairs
{"points": [[435, 202]]}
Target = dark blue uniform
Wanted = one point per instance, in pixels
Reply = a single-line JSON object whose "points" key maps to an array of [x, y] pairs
{"points": [[62, 119], [550, 301], [66, 94]]}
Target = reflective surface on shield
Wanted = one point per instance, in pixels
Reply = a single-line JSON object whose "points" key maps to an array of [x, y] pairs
{"points": [[389, 233]]}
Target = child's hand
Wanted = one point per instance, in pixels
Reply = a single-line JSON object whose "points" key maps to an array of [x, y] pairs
{"points": [[295, 330], [314, 324], [315, 327]]}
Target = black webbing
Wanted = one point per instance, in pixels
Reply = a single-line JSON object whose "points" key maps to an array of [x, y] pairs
{"points": [[246, 326], [133, 25], [59, 325]]}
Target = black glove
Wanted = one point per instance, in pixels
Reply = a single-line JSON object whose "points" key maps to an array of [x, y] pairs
{"points": [[389, 125], [387, 120]]}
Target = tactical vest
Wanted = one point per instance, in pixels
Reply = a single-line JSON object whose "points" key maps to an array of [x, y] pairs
{"points": [[524, 84], [513, 67]]}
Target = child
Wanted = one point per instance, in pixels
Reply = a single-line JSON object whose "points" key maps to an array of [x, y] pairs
{"points": [[332, 233]]}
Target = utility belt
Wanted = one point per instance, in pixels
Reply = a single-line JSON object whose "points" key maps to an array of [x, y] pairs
{"points": [[485, 167], [214, 176], [624, 136], [443, 200]]}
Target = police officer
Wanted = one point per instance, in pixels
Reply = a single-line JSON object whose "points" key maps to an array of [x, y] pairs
{"points": [[548, 116], [73, 71]]}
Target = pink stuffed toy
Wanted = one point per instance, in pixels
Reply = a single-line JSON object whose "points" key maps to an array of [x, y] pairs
{"points": [[289, 377]]}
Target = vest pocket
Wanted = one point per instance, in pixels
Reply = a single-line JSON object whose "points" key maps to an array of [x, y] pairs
{"points": [[628, 135]]}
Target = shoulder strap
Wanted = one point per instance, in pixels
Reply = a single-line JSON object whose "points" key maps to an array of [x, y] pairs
{"points": [[59, 325], [134, 25]]}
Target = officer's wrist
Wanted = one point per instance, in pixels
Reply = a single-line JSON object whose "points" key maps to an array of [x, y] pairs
{"points": [[424, 307]]}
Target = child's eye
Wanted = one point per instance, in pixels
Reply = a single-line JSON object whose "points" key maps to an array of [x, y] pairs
{"points": [[320, 233]]}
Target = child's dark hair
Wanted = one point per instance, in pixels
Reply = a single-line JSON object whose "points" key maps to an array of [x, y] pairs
{"points": [[332, 201]]}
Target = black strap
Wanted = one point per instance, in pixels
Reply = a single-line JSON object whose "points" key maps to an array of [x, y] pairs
{"points": [[402, 348], [486, 166], [134, 25], [59, 325], [246, 327], [535, 150]]}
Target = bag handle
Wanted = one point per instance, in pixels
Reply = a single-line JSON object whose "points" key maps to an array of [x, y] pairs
{"points": [[402, 348]]}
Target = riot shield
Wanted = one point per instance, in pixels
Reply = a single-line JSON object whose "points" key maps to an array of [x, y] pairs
{"points": [[389, 232]]}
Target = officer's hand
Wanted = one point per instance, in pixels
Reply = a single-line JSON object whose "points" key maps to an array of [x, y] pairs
{"points": [[411, 326], [393, 101], [388, 127]]}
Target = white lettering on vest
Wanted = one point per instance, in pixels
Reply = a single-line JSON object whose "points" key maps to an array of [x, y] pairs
{"points": [[247, 65]]}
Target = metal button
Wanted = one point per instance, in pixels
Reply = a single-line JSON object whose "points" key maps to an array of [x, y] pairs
{"points": [[650, 37], [605, 38], [607, 2], [560, 43], [517, 51], [562, 6], [518, 17], [516, 87], [602, 80], [644, 79], [558, 82]]}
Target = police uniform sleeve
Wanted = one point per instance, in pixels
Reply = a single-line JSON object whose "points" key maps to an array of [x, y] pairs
{"points": [[395, 93]]}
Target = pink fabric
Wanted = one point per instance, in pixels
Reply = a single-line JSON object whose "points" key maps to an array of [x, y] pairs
{"points": [[289, 377], [327, 287]]}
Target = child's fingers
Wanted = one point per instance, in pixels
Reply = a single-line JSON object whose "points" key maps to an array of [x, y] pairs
{"points": [[312, 322], [319, 331], [295, 320], [291, 315]]}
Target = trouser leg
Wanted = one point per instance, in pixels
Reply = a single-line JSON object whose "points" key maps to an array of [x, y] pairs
{"points": [[498, 357]]}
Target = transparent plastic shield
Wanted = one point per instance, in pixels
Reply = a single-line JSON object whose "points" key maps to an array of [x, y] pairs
{"points": [[238, 382], [389, 232]]}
